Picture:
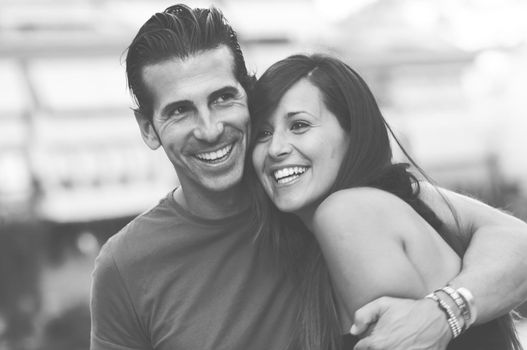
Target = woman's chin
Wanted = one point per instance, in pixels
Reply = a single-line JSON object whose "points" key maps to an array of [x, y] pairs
{"points": [[291, 208]]}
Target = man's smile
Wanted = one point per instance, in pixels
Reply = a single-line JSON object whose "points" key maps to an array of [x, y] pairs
{"points": [[216, 155]]}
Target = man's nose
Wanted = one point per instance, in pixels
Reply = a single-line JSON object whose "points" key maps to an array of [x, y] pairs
{"points": [[208, 129]]}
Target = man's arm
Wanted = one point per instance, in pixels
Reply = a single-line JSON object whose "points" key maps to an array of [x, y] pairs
{"points": [[495, 262], [494, 270], [114, 324]]}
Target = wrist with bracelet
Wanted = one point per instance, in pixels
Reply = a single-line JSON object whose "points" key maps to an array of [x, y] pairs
{"points": [[458, 307]]}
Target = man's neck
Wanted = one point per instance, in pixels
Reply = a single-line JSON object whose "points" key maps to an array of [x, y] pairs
{"points": [[213, 205]]}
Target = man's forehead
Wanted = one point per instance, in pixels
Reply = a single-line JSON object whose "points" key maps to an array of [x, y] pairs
{"points": [[214, 66], [203, 62], [218, 56], [196, 75]]}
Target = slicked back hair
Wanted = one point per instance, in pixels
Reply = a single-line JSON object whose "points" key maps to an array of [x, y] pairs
{"points": [[179, 32]]}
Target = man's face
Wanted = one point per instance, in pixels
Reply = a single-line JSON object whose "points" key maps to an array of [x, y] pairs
{"points": [[201, 117]]}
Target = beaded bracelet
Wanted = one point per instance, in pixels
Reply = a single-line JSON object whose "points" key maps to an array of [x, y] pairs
{"points": [[451, 318], [463, 306]]}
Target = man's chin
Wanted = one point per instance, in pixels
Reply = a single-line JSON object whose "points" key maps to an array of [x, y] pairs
{"points": [[226, 183]]}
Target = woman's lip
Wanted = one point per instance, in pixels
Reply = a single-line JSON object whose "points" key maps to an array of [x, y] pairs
{"points": [[288, 180], [286, 171]]}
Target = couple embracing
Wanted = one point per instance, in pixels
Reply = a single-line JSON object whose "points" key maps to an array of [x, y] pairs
{"points": [[292, 227]]}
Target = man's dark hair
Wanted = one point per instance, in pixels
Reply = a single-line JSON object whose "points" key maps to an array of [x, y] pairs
{"points": [[179, 32]]}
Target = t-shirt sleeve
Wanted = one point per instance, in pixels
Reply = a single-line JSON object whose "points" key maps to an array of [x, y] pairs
{"points": [[114, 322]]}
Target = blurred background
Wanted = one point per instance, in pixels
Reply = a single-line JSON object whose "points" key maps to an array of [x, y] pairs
{"points": [[449, 75]]}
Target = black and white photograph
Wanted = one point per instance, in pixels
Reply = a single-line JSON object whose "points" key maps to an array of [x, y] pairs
{"points": [[263, 174]]}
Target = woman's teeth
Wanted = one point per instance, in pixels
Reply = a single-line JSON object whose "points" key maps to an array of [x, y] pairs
{"points": [[286, 175], [216, 155]]}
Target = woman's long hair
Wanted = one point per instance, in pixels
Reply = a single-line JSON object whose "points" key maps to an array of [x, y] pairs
{"points": [[368, 162]]}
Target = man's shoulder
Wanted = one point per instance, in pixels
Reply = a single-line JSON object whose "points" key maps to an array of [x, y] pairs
{"points": [[140, 236], [155, 218]]}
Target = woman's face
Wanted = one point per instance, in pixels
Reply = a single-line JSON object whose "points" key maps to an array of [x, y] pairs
{"points": [[299, 149]]}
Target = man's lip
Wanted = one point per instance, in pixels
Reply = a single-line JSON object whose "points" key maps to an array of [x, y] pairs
{"points": [[218, 156], [217, 148]]}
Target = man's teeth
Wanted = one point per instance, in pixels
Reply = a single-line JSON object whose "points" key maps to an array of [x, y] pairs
{"points": [[212, 156], [288, 174]]}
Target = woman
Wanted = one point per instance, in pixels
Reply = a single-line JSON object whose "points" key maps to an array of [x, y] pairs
{"points": [[351, 221]]}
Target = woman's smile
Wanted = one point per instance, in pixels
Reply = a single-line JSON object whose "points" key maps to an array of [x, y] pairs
{"points": [[287, 175]]}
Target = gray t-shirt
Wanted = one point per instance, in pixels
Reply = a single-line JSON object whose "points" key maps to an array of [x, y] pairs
{"points": [[170, 280]]}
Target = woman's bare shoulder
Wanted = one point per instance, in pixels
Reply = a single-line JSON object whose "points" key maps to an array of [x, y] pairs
{"points": [[362, 207]]}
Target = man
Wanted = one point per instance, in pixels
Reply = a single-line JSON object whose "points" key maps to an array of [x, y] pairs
{"points": [[188, 273]]}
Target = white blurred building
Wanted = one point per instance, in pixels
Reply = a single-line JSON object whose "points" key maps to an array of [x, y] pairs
{"points": [[70, 150]]}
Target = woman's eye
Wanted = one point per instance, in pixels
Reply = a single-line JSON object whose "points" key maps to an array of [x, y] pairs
{"points": [[263, 135], [299, 126]]}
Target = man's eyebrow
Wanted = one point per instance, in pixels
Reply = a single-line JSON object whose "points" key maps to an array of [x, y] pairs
{"points": [[224, 90], [173, 105]]}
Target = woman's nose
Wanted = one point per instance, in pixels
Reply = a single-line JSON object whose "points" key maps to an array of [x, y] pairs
{"points": [[279, 146]]}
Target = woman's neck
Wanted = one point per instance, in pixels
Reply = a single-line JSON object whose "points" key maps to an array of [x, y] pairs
{"points": [[306, 214]]}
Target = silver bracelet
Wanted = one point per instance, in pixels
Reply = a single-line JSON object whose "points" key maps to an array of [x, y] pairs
{"points": [[469, 300], [451, 318], [464, 309]]}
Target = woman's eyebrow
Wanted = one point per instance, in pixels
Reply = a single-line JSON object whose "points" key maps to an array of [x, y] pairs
{"points": [[294, 113]]}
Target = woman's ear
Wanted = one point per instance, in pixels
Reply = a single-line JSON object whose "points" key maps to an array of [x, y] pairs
{"points": [[148, 133]]}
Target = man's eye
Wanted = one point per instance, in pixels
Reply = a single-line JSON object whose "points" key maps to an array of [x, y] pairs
{"points": [[224, 98], [179, 111]]}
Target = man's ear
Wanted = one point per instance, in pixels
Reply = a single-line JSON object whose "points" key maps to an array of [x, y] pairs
{"points": [[149, 135]]}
